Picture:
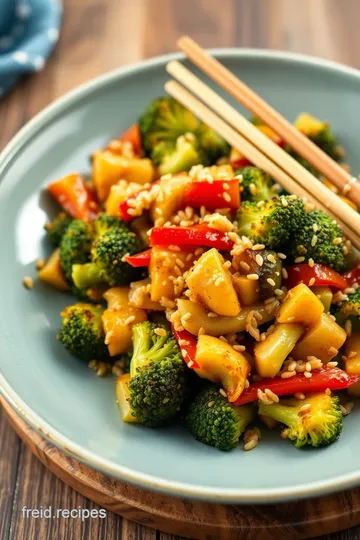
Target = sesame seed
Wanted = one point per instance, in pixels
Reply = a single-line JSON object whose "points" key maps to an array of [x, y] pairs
{"points": [[211, 314], [219, 281], [252, 277], [211, 403], [186, 316], [239, 348], [337, 241], [305, 408], [247, 383], [299, 395], [279, 292], [287, 374], [281, 255], [314, 240], [259, 259], [308, 374], [299, 260], [348, 327], [258, 247], [226, 265], [284, 202], [201, 331], [190, 363], [245, 266], [315, 227], [271, 258], [226, 197], [271, 282], [226, 185], [223, 393], [311, 281], [332, 364], [28, 282], [284, 273]]}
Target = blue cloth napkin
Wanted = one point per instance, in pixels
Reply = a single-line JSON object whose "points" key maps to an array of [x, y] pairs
{"points": [[29, 29]]}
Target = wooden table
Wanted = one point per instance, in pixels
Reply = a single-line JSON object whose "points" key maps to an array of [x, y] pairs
{"points": [[98, 35]]}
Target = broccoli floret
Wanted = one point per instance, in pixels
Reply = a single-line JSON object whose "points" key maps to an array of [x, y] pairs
{"points": [[319, 238], [212, 145], [255, 185], [272, 223], [171, 159], [113, 240], [75, 246], [318, 425], [56, 229], [158, 375], [216, 422], [82, 332], [175, 139], [326, 140], [349, 309], [164, 120]]}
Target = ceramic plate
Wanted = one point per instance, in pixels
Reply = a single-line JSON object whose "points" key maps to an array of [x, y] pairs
{"points": [[57, 394]]}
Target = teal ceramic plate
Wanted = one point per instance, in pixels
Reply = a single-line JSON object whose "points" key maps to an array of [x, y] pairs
{"points": [[60, 396]]}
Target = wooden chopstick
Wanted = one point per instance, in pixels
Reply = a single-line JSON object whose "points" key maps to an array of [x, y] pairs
{"points": [[331, 201], [344, 181], [244, 146]]}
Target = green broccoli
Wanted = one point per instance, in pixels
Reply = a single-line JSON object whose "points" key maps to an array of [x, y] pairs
{"points": [[319, 238], [158, 383], [174, 138], [272, 223], [212, 145], [349, 309], [57, 227], [216, 422], [164, 120], [75, 248], [82, 332], [319, 424], [113, 240], [326, 140], [171, 159], [255, 185]]}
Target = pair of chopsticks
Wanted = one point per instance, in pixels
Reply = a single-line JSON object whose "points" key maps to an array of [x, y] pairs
{"points": [[254, 145]]}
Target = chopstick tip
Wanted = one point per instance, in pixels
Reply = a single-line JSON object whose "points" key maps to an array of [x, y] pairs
{"points": [[182, 40]]}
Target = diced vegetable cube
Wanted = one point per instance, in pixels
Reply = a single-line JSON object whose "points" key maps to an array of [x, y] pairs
{"points": [[139, 296], [301, 305], [52, 273], [322, 339], [211, 283], [325, 296], [171, 196], [119, 193], [163, 264], [271, 353], [220, 363], [247, 289]]}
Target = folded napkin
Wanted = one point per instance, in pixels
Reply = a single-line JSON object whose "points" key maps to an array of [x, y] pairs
{"points": [[29, 30]]}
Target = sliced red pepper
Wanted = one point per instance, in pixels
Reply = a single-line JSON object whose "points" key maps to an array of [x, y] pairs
{"points": [[323, 275], [140, 259], [332, 378], [187, 344], [75, 197], [198, 235], [211, 195], [352, 276]]}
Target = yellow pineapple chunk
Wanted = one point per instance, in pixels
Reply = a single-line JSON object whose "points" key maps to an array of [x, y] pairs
{"points": [[247, 289], [162, 271], [301, 305], [119, 193], [220, 363], [309, 124], [170, 198], [322, 339], [123, 398], [52, 273], [211, 284], [271, 353], [109, 168], [220, 325]]}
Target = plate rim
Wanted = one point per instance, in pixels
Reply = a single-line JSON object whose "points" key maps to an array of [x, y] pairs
{"points": [[35, 420]]}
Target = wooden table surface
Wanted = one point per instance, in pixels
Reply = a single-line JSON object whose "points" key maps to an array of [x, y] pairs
{"points": [[98, 35]]}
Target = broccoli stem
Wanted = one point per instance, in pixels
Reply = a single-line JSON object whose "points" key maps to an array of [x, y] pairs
{"points": [[246, 415], [281, 413], [86, 275]]}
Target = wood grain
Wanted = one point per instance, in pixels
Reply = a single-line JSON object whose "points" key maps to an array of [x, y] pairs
{"points": [[98, 35]]}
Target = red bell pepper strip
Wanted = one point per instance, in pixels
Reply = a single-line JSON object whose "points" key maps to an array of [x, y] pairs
{"points": [[187, 344], [239, 163], [352, 276], [131, 135], [198, 235], [75, 197], [332, 378], [323, 275], [211, 195], [140, 259]]}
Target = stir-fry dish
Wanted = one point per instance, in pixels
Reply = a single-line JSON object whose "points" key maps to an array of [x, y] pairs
{"points": [[216, 298]]}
